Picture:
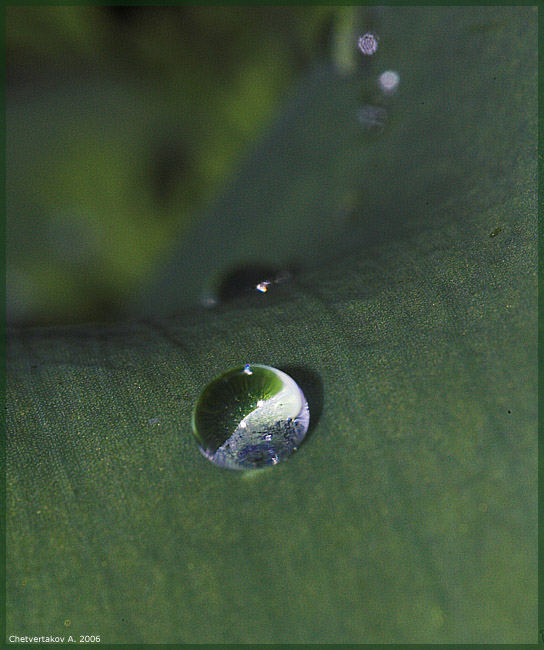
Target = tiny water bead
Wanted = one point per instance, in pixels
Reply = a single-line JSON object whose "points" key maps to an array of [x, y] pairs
{"points": [[249, 279], [368, 44], [243, 281], [388, 82], [373, 118], [250, 417]]}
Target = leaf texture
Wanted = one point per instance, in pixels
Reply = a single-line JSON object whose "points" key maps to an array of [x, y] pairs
{"points": [[409, 513]]}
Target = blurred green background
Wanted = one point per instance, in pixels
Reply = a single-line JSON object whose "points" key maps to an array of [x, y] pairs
{"points": [[123, 123]]}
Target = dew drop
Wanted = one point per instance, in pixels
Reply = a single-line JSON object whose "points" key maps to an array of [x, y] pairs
{"points": [[208, 300], [388, 82], [368, 44], [372, 118], [244, 280], [250, 417]]}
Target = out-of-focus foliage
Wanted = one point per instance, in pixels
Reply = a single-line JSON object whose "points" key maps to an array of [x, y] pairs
{"points": [[122, 122]]}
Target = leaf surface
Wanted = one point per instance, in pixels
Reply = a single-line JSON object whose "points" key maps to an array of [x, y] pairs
{"points": [[409, 513]]}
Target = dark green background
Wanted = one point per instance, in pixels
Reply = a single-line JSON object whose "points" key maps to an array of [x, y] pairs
{"points": [[409, 513]]}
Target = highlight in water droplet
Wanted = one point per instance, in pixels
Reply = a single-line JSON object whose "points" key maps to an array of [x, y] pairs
{"points": [[389, 81], [250, 417], [368, 44]]}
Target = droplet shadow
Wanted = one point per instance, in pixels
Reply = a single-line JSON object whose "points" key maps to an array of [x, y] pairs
{"points": [[312, 387]]}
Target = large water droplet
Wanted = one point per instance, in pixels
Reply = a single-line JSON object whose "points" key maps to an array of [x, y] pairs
{"points": [[250, 417]]}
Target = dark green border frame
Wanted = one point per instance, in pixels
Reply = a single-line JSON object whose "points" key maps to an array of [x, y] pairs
{"points": [[540, 323], [3, 346]]}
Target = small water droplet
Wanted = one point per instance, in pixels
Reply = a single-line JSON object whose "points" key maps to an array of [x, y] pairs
{"points": [[208, 301], [368, 44], [372, 117], [245, 280], [250, 417], [388, 82]]}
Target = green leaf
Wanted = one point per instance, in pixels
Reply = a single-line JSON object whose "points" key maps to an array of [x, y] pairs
{"points": [[409, 513]]}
